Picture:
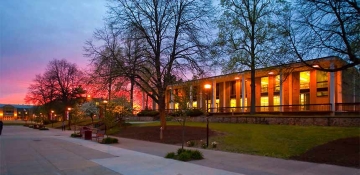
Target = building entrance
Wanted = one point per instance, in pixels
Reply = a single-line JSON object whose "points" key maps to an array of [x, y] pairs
{"points": [[304, 101]]}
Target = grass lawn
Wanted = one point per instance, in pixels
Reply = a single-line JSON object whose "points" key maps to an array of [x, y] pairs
{"points": [[282, 141]]}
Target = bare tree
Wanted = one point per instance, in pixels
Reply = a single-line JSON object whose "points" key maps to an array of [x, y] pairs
{"points": [[61, 82], [326, 27], [119, 57], [248, 34], [174, 37]]}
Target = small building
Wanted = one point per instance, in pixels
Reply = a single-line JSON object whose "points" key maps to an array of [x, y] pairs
{"points": [[15, 112], [293, 88]]}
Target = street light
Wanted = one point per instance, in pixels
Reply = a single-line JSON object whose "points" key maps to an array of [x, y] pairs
{"points": [[105, 103], [51, 118], [207, 87], [68, 117]]}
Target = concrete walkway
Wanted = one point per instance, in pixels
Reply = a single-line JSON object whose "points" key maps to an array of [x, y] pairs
{"points": [[29, 151]]}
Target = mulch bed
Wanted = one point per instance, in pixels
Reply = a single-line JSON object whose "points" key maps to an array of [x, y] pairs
{"points": [[172, 135], [343, 152]]}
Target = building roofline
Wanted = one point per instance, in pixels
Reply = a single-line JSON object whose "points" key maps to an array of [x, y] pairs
{"points": [[271, 67]]}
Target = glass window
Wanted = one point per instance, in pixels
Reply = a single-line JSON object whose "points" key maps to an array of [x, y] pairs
{"points": [[276, 103], [277, 83], [233, 102], [194, 104], [176, 105], [233, 89], [245, 104], [321, 83], [305, 80], [264, 101], [264, 84], [194, 94]]}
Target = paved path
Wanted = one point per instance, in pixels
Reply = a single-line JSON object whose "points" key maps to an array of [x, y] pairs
{"points": [[34, 152]]}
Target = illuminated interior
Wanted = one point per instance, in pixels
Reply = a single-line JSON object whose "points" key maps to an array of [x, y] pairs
{"points": [[304, 80], [276, 100], [264, 101], [194, 104], [264, 84], [245, 104], [176, 105], [233, 102], [277, 83]]}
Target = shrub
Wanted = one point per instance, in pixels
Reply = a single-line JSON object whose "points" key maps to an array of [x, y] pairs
{"points": [[46, 122], [176, 113], [43, 128], [180, 150], [184, 156], [150, 113], [76, 135], [109, 140], [170, 155], [190, 143], [194, 113], [196, 155], [169, 118]]}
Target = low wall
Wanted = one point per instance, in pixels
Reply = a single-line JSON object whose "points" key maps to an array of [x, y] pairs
{"points": [[273, 120], [280, 120], [135, 118]]}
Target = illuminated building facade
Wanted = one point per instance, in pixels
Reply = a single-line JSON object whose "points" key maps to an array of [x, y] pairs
{"points": [[293, 88], [15, 112]]}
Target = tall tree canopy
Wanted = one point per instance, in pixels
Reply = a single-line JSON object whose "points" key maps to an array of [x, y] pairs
{"points": [[326, 27], [61, 82], [173, 36], [249, 34]]}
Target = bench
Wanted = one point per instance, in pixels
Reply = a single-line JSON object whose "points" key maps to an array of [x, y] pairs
{"points": [[99, 134]]}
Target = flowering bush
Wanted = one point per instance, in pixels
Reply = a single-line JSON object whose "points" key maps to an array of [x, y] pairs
{"points": [[214, 144], [202, 144], [190, 143]]}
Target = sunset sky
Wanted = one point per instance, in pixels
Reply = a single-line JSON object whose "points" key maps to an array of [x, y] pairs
{"points": [[34, 32]]}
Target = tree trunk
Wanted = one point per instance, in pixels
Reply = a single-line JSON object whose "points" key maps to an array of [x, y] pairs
{"points": [[132, 84], [162, 111]]}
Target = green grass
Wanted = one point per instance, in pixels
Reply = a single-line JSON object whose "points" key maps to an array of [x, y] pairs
{"points": [[282, 141]]}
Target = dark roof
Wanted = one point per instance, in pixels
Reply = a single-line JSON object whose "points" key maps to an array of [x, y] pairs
{"points": [[18, 106]]}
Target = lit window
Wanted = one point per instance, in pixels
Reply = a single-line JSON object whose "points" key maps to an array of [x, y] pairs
{"points": [[194, 104], [321, 83], [276, 103], [245, 103], [304, 80], [264, 84], [264, 101], [176, 105], [233, 102], [277, 83]]}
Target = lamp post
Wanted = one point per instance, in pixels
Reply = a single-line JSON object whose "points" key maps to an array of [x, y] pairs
{"points": [[51, 118], [105, 103], [207, 87], [68, 116]]}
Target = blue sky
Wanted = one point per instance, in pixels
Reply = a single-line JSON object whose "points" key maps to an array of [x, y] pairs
{"points": [[34, 32]]}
